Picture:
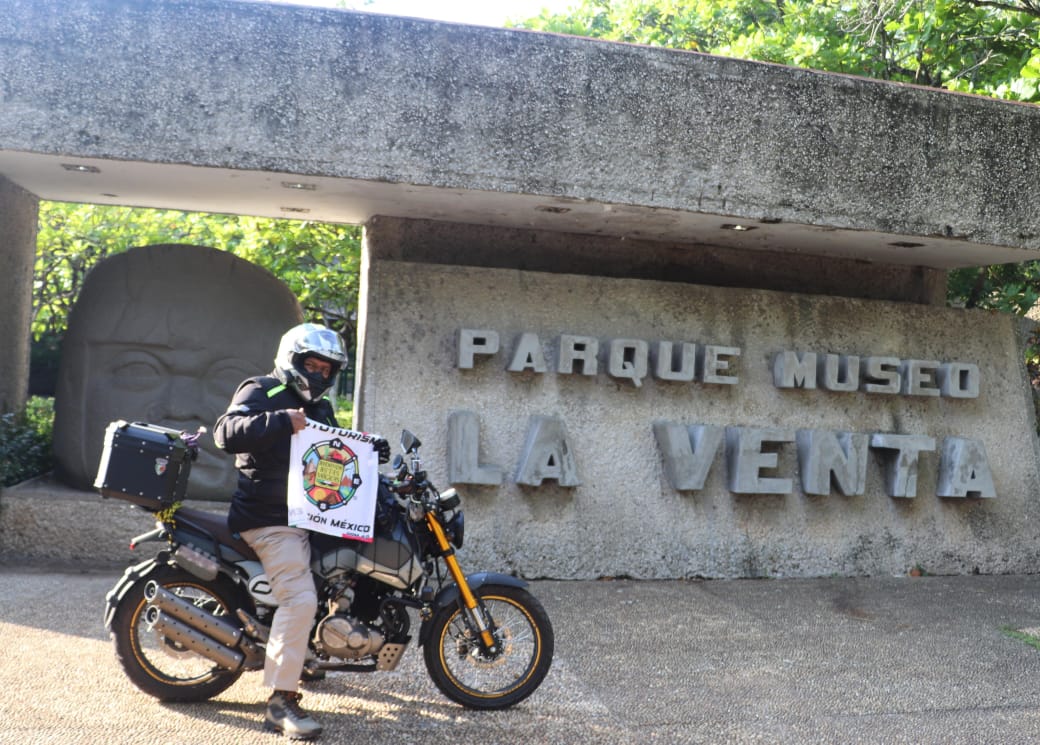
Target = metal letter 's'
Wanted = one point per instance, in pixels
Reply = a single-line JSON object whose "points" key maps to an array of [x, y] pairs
{"points": [[881, 375]]}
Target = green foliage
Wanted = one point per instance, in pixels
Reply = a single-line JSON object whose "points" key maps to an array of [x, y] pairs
{"points": [[319, 261], [1011, 288], [344, 407], [25, 441], [963, 45]]}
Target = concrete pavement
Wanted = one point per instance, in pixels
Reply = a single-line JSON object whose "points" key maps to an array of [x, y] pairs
{"points": [[879, 660]]}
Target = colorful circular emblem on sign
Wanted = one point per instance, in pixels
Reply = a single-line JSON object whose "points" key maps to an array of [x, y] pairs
{"points": [[330, 474]]}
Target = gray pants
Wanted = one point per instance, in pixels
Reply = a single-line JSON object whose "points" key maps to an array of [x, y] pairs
{"points": [[286, 556]]}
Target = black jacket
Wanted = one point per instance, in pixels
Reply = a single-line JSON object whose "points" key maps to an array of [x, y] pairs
{"points": [[256, 427]]}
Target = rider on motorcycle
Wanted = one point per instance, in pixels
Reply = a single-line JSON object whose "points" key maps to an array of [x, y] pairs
{"points": [[264, 414]]}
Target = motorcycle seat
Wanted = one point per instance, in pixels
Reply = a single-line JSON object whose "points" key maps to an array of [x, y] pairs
{"points": [[216, 527]]}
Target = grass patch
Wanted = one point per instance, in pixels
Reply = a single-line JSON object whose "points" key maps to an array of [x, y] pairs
{"points": [[1027, 639]]}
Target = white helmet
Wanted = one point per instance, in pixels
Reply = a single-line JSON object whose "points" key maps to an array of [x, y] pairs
{"points": [[301, 342]]}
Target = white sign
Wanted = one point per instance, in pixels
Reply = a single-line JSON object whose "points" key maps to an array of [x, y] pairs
{"points": [[333, 481]]}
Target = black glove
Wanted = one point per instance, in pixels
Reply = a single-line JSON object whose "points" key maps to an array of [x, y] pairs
{"points": [[382, 447]]}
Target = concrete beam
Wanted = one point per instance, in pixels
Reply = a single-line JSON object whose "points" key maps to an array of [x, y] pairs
{"points": [[427, 241], [410, 118]]}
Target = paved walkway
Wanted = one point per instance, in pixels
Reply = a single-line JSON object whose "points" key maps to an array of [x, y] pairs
{"points": [[889, 660]]}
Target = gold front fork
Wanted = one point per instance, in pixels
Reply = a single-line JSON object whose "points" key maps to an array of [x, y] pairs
{"points": [[468, 598]]}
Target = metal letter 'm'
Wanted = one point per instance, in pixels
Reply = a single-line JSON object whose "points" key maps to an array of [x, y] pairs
{"points": [[793, 371]]}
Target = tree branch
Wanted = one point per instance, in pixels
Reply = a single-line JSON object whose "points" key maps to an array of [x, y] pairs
{"points": [[1029, 7]]}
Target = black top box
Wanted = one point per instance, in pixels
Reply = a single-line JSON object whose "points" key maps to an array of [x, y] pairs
{"points": [[144, 464]]}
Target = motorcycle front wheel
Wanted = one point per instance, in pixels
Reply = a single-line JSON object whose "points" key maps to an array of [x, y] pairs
{"points": [[468, 674], [158, 666]]}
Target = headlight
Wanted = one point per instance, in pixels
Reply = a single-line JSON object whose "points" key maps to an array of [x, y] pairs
{"points": [[449, 500]]}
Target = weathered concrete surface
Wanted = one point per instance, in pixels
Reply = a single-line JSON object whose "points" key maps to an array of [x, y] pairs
{"points": [[625, 517], [915, 661], [661, 134], [434, 242], [18, 211], [43, 520]]}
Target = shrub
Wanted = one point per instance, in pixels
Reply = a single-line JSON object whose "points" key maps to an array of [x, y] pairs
{"points": [[25, 441]]}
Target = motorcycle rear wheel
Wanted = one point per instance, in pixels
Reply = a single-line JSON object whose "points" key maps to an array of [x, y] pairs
{"points": [[158, 666], [466, 674]]}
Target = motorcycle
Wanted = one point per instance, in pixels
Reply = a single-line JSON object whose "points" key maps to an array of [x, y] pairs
{"points": [[187, 623]]}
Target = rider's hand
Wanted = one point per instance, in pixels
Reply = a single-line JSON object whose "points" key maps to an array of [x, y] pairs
{"points": [[381, 446], [298, 419]]}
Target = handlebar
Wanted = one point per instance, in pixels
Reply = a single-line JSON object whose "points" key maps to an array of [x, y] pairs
{"points": [[191, 441]]}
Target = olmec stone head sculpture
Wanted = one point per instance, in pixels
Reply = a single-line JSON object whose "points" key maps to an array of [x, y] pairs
{"points": [[164, 334]]}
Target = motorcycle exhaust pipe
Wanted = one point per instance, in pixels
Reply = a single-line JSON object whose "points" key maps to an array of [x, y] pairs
{"points": [[197, 642], [191, 615]]}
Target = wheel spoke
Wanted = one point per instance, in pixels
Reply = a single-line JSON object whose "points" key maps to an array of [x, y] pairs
{"points": [[467, 672], [484, 674]]}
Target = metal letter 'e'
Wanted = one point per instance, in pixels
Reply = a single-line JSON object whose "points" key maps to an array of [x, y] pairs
{"points": [[746, 459]]}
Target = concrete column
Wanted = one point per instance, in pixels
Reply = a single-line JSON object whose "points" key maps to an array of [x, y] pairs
{"points": [[19, 211], [362, 387]]}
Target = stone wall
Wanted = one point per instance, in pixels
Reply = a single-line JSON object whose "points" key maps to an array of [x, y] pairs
{"points": [[626, 515]]}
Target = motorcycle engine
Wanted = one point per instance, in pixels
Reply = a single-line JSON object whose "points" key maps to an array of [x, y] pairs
{"points": [[340, 635]]}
